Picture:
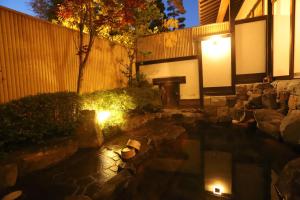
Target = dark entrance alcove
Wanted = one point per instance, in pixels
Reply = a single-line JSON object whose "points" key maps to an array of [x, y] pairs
{"points": [[169, 89]]}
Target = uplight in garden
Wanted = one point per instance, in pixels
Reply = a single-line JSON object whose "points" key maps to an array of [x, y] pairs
{"points": [[103, 116]]}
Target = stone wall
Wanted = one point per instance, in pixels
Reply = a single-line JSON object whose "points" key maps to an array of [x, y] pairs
{"points": [[283, 95]]}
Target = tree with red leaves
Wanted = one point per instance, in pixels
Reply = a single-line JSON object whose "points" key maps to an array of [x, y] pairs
{"points": [[137, 22], [88, 16]]}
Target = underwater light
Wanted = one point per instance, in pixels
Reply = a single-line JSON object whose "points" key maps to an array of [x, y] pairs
{"points": [[102, 116]]}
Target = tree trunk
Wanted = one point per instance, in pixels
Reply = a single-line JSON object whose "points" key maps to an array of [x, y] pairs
{"points": [[132, 53], [130, 69], [83, 57], [80, 56]]}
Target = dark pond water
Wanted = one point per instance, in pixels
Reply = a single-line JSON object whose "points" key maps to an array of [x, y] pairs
{"points": [[209, 162]]}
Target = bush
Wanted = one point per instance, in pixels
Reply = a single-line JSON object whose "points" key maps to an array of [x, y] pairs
{"points": [[33, 119], [124, 99]]}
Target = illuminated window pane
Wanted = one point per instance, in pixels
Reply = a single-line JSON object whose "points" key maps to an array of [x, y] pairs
{"points": [[281, 56], [216, 61]]}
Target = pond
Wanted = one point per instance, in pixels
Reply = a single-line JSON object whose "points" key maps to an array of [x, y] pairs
{"points": [[208, 161]]}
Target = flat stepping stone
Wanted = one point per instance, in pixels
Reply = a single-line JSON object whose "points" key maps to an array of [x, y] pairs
{"points": [[13, 195]]}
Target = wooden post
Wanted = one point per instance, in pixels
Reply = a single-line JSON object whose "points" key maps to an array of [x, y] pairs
{"points": [[270, 39], [292, 40], [232, 15]]}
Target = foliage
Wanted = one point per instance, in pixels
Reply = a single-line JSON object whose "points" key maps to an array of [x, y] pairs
{"points": [[93, 17], [82, 15], [121, 101], [33, 119], [159, 23], [128, 34], [175, 12], [46, 9]]}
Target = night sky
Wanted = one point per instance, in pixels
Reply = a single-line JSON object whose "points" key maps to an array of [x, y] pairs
{"points": [[190, 5]]}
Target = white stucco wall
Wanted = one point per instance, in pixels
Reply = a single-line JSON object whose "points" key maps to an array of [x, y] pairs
{"points": [[188, 68], [216, 62], [250, 44]]}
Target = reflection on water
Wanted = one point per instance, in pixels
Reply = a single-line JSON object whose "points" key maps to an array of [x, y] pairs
{"points": [[209, 162], [218, 172], [233, 164]]}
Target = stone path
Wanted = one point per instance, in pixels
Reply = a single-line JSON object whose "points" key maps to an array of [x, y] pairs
{"points": [[82, 174]]}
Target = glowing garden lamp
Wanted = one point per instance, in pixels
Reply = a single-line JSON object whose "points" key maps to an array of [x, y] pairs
{"points": [[217, 190], [102, 116]]}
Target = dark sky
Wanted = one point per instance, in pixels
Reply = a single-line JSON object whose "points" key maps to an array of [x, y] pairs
{"points": [[190, 5]]}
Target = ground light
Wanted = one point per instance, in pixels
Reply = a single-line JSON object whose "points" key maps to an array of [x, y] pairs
{"points": [[103, 116], [217, 189]]}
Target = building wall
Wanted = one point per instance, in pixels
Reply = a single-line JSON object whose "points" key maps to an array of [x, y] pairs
{"points": [[39, 57], [187, 68], [250, 41]]}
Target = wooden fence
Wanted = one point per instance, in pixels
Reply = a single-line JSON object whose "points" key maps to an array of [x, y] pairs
{"points": [[39, 57]]}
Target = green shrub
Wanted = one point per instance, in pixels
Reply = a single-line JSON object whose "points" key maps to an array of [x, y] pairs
{"points": [[33, 119], [123, 99]]}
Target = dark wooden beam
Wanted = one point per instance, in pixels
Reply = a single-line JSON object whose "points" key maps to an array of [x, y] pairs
{"points": [[172, 79], [218, 91], [270, 39], [292, 40], [250, 78], [232, 15], [200, 71], [150, 62]]}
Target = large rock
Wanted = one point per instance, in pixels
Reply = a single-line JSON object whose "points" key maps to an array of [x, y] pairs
{"points": [[241, 92], [238, 111], [290, 127], [269, 121], [254, 101], [88, 132], [294, 102], [293, 87], [283, 98], [289, 180], [8, 175], [47, 156], [269, 98], [133, 122]]}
